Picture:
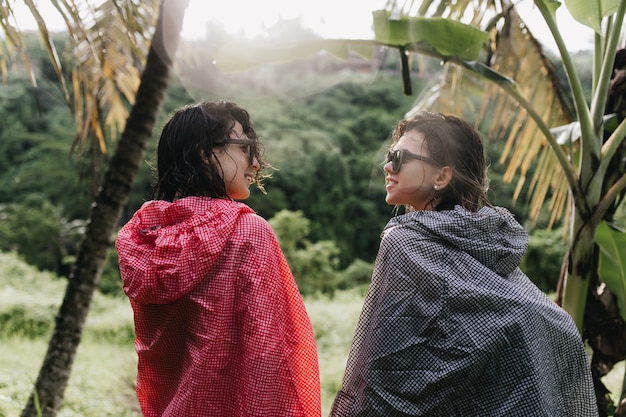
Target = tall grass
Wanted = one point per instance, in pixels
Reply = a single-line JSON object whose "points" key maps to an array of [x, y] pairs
{"points": [[101, 383], [334, 320]]}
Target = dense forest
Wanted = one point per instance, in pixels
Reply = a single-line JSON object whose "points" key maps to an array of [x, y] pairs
{"points": [[325, 140]]}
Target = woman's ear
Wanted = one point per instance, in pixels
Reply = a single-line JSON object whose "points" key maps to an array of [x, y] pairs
{"points": [[203, 157], [444, 178]]}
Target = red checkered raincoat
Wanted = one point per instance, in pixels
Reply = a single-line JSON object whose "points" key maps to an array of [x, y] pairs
{"points": [[221, 329]]}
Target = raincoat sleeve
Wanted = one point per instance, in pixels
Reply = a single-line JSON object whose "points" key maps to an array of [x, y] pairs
{"points": [[278, 351]]}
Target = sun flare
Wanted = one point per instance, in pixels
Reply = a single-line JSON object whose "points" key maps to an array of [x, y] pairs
{"points": [[327, 18]]}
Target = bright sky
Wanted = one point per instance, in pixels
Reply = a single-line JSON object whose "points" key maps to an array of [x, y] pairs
{"points": [[576, 36], [329, 18]]}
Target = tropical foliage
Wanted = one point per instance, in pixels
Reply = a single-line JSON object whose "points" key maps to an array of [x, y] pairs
{"points": [[578, 165], [99, 72]]}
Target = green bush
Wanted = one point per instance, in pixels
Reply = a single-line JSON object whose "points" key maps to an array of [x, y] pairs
{"points": [[358, 273], [111, 281], [35, 229], [314, 265], [32, 229]]}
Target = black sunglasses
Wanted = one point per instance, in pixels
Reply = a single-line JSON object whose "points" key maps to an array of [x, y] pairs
{"points": [[252, 153], [400, 156]]}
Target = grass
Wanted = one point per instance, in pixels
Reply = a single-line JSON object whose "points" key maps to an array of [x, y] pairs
{"points": [[102, 378], [101, 383], [334, 321]]}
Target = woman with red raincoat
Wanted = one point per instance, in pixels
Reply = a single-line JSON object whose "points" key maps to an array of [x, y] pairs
{"points": [[221, 329]]}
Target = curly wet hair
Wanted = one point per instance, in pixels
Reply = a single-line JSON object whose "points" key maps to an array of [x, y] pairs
{"points": [[185, 166], [452, 142]]}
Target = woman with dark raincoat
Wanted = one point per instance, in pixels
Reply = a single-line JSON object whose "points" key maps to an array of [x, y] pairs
{"points": [[450, 325]]}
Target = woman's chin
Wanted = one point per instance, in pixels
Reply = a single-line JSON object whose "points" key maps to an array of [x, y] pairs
{"points": [[241, 195], [391, 201]]}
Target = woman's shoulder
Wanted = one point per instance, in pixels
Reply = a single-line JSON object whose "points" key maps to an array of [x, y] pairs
{"points": [[251, 223], [407, 227]]}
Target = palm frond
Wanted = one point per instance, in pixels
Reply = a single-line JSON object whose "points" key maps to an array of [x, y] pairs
{"points": [[109, 52], [12, 46]]}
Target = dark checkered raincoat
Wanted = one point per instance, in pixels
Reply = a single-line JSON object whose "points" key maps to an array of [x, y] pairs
{"points": [[221, 329], [451, 327]]}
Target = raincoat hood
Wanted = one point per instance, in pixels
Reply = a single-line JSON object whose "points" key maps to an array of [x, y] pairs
{"points": [[491, 236], [165, 242]]}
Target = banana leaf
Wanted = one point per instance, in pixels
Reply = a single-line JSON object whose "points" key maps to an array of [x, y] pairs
{"points": [[612, 270]]}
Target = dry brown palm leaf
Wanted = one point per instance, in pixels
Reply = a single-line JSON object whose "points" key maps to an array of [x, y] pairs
{"points": [[12, 46], [108, 45], [519, 56], [109, 57]]}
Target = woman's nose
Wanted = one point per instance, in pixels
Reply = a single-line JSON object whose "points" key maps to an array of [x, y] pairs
{"points": [[255, 164]]}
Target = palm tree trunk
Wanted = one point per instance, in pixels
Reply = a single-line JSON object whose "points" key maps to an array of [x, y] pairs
{"points": [[49, 388]]}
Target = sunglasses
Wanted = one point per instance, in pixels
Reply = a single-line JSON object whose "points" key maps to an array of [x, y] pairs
{"points": [[400, 156], [252, 143]]}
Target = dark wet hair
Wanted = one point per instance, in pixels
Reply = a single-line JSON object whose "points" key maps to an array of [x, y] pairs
{"points": [[185, 166], [455, 143]]}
